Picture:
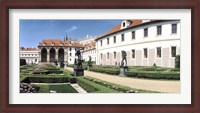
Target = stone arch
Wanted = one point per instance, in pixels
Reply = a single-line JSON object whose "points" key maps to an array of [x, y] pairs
{"points": [[61, 55], [52, 56], [44, 55]]}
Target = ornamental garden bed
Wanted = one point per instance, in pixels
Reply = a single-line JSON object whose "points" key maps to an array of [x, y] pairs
{"points": [[65, 88], [93, 85], [150, 72], [40, 69]]}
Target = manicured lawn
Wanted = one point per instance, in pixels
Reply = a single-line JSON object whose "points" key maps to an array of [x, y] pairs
{"points": [[119, 87], [66, 88], [62, 88]]}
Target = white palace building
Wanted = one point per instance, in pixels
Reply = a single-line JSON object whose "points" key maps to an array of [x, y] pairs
{"points": [[29, 54], [145, 41]]}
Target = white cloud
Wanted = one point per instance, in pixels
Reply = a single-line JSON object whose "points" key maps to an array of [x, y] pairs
{"points": [[73, 28]]}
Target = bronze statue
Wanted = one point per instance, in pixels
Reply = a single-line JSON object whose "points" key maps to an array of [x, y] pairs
{"points": [[124, 58], [78, 62], [90, 61], [78, 69]]}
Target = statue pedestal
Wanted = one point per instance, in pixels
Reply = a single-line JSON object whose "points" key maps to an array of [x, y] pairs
{"points": [[123, 69], [89, 67], [78, 71], [62, 65]]}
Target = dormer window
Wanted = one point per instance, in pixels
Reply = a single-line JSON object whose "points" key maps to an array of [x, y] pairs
{"points": [[124, 24], [44, 43], [52, 43]]}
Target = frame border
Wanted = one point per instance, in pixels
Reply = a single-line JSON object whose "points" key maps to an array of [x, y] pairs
{"points": [[99, 4]]}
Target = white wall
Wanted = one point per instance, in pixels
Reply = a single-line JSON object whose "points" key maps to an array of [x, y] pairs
{"points": [[30, 56], [72, 57], [88, 53], [165, 40]]}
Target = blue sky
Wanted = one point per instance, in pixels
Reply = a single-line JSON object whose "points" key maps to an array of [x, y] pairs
{"points": [[34, 31]]}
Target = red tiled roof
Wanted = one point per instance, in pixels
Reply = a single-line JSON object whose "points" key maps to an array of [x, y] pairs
{"points": [[118, 27], [59, 42], [89, 46]]}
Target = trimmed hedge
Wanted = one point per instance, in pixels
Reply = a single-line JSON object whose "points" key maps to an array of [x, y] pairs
{"points": [[153, 75], [86, 85], [177, 61], [106, 70], [44, 79], [55, 71], [175, 70], [48, 72]]}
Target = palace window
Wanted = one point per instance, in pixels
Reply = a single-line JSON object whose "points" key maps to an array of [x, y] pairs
{"points": [[107, 41], [70, 54], [122, 37], [133, 34], [35, 60], [159, 30], [114, 55], [101, 56], [114, 39], [174, 28], [158, 52], [145, 32], [101, 42], [173, 51], [70, 49], [124, 24], [107, 55], [133, 53], [145, 53]]}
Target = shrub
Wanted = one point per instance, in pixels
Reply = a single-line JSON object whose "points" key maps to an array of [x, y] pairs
{"points": [[70, 65], [86, 85], [153, 75], [24, 71], [41, 72], [45, 79], [177, 61], [106, 70], [55, 71], [72, 80], [175, 69]]}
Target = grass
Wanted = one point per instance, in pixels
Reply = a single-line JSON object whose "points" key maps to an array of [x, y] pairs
{"points": [[66, 88], [125, 87], [62, 88]]}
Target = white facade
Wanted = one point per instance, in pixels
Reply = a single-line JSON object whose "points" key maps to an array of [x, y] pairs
{"points": [[89, 50], [87, 40], [110, 53], [31, 56], [71, 55]]}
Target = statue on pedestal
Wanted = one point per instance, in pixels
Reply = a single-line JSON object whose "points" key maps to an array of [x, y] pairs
{"points": [[78, 69], [124, 58], [123, 66], [89, 63]]}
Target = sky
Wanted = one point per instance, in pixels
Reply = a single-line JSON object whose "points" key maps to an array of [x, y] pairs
{"points": [[34, 31]]}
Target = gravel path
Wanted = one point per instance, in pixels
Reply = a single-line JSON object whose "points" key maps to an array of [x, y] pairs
{"points": [[166, 86]]}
